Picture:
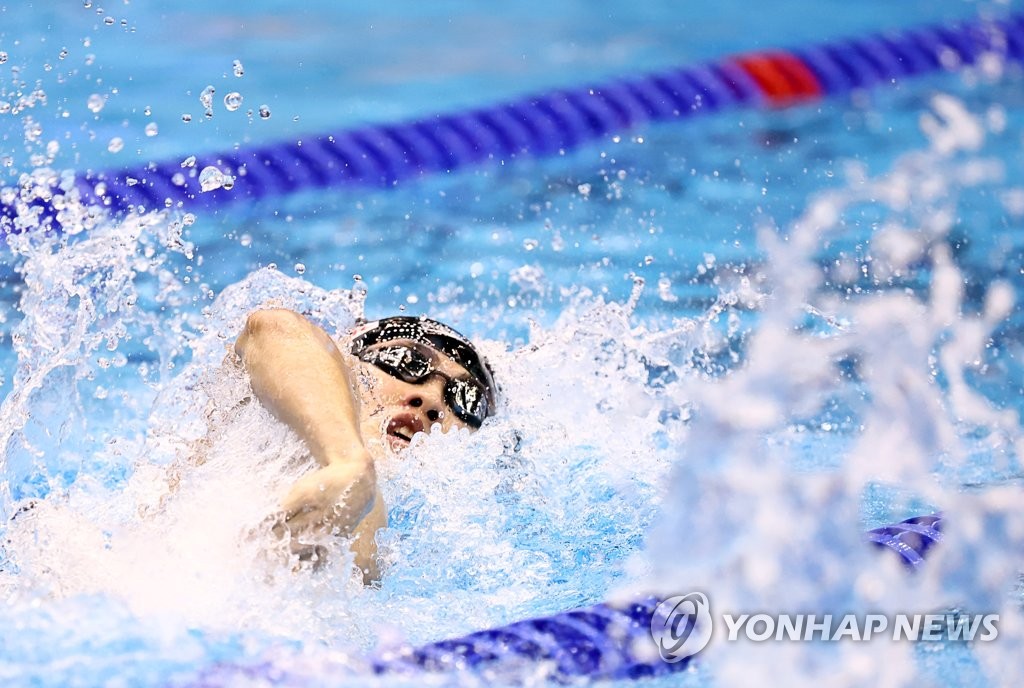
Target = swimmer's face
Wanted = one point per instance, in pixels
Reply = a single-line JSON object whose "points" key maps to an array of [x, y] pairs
{"points": [[393, 410]]}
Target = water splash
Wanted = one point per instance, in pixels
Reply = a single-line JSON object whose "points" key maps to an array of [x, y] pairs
{"points": [[764, 533]]}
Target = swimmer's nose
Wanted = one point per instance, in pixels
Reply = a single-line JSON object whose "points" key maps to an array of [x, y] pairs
{"points": [[432, 414]]}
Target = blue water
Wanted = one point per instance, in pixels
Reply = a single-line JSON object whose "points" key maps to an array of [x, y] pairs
{"points": [[682, 434]]}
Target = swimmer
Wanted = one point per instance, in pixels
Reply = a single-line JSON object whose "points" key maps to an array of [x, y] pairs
{"points": [[356, 404]]}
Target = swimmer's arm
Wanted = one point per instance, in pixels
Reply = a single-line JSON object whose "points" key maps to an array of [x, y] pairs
{"points": [[298, 373]]}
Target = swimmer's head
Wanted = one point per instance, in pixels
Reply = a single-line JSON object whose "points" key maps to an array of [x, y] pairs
{"points": [[426, 373]]}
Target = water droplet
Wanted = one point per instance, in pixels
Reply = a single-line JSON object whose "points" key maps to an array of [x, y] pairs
{"points": [[237, 68], [109, 21], [584, 189], [151, 129], [62, 54], [131, 181], [147, 111], [264, 112], [190, 161], [245, 240], [206, 97], [300, 269], [228, 183], [178, 179], [185, 117], [211, 178], [95, 102], [530, 244], [116, 145], [233, 101], [188, 219], [3, 56], [86, 4], [89, 59]]}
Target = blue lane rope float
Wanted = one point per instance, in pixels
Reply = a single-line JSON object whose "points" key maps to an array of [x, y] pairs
{"points": [[544, 124]]}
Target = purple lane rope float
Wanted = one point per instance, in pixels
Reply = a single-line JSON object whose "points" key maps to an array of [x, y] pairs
{"points": [[543, 124]]}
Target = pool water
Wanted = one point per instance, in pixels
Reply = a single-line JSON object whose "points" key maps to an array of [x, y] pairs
{"points": [[726, 346]]}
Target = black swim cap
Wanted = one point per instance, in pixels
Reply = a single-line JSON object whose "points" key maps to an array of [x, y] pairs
{"points": [[434, 334]]}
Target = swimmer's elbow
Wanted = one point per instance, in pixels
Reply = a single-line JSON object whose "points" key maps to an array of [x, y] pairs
{"points": [[271, 320], [264, 323]]}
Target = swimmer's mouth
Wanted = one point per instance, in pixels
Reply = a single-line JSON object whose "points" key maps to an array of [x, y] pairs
{"points": [[401, 429]]}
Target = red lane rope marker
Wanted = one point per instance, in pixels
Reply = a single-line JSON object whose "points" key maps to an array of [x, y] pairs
{"points": [[783, 78]]}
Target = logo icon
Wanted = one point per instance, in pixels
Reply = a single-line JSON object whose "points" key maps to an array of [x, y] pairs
{"points": [[681, 626]]}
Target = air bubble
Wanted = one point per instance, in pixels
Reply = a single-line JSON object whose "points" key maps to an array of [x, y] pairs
{"points": [[190, 161], [233, 101], [116, 145], [95, 102], [237, 68], [300, 269], [188, 219], [264, 112], [3, 56], [147, 111], [211, 178], [109, 21], [206, 100], [178, 179], [245, 240], [185, 117], [152, 129], [62, 54]]}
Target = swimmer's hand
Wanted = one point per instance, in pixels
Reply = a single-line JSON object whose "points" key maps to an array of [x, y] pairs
{"points": [[335, 498]]}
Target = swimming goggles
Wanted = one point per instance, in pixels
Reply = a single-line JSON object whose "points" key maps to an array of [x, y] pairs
{"points": [[466, 397]]}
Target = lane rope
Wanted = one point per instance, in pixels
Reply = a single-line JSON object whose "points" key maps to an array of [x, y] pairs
{"points": [[537, 125]]}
